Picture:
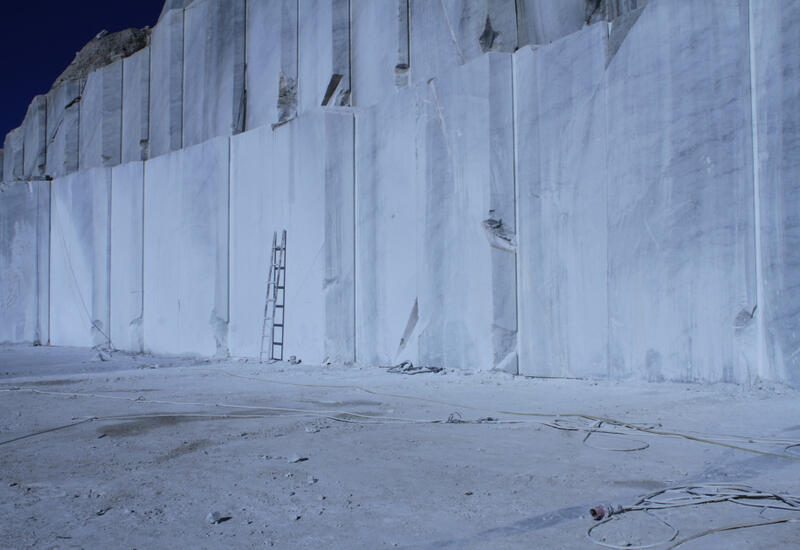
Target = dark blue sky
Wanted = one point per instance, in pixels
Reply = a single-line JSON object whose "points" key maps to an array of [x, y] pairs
{"points": [[39, 39]]}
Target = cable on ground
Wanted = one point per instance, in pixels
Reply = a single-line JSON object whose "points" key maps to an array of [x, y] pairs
{"points": [[644, 429], [628, 546], [731, 528], [281, 412], [695, 495]]}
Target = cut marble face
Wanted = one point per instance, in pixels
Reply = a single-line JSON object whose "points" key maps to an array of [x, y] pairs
{"points": [[776, 69], [63, 127], [296, 178], [213, 75], [136, 107], [101, 118], [35, 138], [185, 244], [166, 84], [432, 167], [79, 259], [127, 218], [24, 262], [324, 76], [635, 194], [560, 121]]}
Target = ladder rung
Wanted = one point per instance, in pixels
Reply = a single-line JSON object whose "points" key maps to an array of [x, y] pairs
{"points": [[277, 325]]}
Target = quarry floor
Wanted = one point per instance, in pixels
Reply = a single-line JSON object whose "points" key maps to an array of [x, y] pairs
{"points": [[301, 456]]}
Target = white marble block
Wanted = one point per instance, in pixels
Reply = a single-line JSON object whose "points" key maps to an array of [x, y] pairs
{"points": [[447, 33], [63, 131], [24, 247], [775, 44], [297, 178], [389, 218], [35, 127], [185, 279], [560, 120], [264, 47], [271, 61], [681, 263], [79, 259], [136, 106], [467, 301], [636, 200], [380, 56], [101, 118], [166, 84], [323, 55], [127, 216], [435, 222], [13, 157], [213, 74]]}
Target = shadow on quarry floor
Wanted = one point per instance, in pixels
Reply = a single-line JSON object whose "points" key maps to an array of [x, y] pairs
{"points": [[299, 457], [139, 427], [491, 537], [53, 382]]}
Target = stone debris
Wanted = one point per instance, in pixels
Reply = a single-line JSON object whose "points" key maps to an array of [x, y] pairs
{"points": [[407, 367], [215, 518]]}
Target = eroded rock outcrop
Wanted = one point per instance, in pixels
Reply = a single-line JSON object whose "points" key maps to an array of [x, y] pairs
{"points": [[103, 50]]}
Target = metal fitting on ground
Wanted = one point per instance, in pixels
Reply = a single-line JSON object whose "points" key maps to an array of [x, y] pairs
{"points": [[604, 511]]}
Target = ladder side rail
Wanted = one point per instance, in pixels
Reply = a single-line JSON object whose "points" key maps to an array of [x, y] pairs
{"points": [[280, 297], [269, 312], [282, 279]]}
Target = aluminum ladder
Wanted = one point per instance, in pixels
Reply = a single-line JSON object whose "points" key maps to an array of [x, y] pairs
{"points": [[276, 300]]}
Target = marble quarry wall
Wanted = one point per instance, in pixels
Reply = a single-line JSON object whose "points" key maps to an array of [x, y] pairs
{"points": [[559, 188]]}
